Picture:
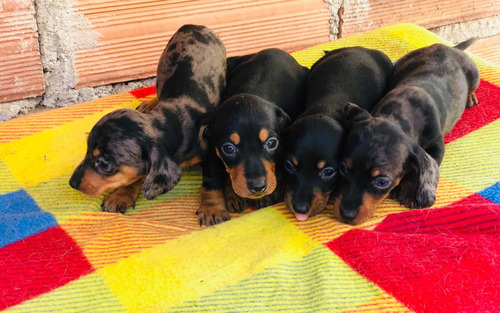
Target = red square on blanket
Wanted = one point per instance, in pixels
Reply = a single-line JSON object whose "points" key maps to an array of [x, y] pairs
{"points": [[39, 264], [487, 110], [438, 260]]}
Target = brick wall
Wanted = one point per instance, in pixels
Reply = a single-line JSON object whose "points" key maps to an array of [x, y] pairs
{"points": [[92, 48]]}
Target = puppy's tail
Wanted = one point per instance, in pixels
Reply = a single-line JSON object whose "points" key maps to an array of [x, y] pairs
{"points": [[466, 44]]}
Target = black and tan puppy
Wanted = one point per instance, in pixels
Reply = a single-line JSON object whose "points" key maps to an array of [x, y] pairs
{"points": [[313, 143], [397, 150], [240, 139], [129, 149]]}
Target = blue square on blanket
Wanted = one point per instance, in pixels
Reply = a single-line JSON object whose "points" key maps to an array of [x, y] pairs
{"points": [[492, 193], [20, 217]]}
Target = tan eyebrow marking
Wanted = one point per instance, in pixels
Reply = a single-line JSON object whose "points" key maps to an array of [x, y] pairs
{"points": [[263, 134], [376, 172], [348, 164], [295, 161], [235, 138], [96, 153], [321, 164]]}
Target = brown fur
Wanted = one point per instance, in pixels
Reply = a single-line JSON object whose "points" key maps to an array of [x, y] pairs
{"points": [[212, 209], [95, 184], [123, 198]]}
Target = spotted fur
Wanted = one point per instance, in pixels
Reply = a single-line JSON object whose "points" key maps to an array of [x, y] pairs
{"points": [[403, 140], [160, 135]]}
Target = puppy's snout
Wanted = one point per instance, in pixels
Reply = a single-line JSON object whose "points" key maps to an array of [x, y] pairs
{"points": [[301, 208], [256, 185], [74, 183], [348, 215], [76, 178]]}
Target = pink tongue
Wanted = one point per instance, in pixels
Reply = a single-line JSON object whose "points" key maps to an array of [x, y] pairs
{"points": [[301, 217]]}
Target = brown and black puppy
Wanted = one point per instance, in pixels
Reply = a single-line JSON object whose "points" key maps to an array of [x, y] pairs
{"points": [[128, 150], [240, 139], [397, 150], [312, 144]]}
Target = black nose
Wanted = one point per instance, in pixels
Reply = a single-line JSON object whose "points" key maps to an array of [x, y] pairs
{"points": [[301, 208], [74, 183], [76, 178], [256, 185], [348, 215]]}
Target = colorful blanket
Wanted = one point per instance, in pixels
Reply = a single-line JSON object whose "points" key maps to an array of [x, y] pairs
{"points": [[60, 253]]}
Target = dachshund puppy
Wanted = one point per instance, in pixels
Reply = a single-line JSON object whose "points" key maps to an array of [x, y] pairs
{"points": [[312, 144], [239, 141], [397, 150], [128, 150]]}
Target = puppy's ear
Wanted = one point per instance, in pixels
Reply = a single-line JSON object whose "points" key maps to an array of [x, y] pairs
{"points": [[162, 174], [426, 173], [204, 133], [354, 114], [282, 118]]}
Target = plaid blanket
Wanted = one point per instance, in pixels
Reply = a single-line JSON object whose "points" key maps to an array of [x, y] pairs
{"points": [[59, 252]]}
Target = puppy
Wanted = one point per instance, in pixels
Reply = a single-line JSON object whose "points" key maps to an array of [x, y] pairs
{"points": [[312, 144], [128, 150], [397, 151], [239, 141]]}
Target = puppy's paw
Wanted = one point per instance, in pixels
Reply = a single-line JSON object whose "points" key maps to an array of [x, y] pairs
{"points": [[117, 202], [266, 201], [471, 100], [422, 198], [147, 106], [212, 214], [235, 203]]}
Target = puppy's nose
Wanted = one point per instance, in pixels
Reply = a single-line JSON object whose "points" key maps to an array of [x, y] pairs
{"points": [[348, 215], [74, 183], [256, 185], [301, 208]]}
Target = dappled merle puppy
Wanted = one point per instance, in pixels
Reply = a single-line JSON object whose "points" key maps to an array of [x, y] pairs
{"points": [[132, 149], [397, 150], [312, 144], [239, 141]]}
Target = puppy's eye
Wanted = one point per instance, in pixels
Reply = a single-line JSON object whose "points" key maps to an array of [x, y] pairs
{"points": [[229, 149], [103, 165], [271, 144], [343, 169], [328, 173], [381, 182], [289, 167]]}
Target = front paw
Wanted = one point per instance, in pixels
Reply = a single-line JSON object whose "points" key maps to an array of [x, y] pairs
{"points": [[273, 198], [147, 106], [266, 201], [117, 202], [235, 203], [212, 214], [425, 198], [422, 198], [471, 100]]}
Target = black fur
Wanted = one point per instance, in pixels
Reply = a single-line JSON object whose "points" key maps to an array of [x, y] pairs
{"points": [[264, 91], [353, 74]]}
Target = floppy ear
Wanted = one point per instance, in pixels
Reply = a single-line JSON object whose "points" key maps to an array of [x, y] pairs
{"points": [[426, 173], [282, 118], [203, 127], [162, 174], [354, 114]]}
